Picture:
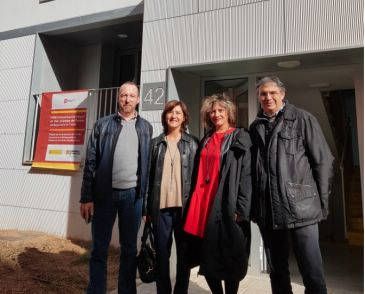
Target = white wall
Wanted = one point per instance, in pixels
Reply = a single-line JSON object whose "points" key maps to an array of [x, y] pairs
{"points": [[15, 14], [33, 199], [27, 200]]}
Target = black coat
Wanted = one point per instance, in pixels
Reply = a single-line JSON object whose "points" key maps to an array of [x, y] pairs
{"points": [[187, 146], [97, 177], [301, 169], [226, 243]]}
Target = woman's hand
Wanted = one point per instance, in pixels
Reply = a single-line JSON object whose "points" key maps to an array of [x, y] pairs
{"points": [[146, 218], [238, 218]]}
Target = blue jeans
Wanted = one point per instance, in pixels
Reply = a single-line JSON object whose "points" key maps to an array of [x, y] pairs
{"points": [[129, 210]]}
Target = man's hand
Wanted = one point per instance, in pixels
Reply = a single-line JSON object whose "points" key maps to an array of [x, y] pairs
{"points": [[87, 210]]}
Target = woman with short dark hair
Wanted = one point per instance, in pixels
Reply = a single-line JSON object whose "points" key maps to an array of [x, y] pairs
{"points": [[171, 167]]}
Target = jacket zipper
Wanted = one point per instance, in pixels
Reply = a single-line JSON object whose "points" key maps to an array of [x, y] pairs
{"points": [[295, 184]]}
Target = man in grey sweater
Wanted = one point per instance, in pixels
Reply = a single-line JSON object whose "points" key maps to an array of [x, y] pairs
{"points": [[114, 183]]}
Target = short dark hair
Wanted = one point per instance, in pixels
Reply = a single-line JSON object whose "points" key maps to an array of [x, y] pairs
{"points": [[272, 79], [170, 106], [130, 83]]}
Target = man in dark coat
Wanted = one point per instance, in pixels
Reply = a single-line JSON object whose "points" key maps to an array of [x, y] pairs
{"points": [[292, 173], [114, 183]]}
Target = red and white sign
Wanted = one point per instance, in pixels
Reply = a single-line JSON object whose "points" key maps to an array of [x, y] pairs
{"points": [[61, 134]]}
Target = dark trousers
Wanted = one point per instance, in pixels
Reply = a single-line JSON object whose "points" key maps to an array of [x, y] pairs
{"points": [[230, 287], [170, 222], [129, 210], [308, 255]]}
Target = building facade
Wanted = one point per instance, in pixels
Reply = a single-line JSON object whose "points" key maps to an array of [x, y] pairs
{"points": [[178, 50]]}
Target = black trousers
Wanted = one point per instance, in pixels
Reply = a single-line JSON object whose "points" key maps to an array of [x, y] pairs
{"points": [[170, 222], [230, 287], [308, 255]]}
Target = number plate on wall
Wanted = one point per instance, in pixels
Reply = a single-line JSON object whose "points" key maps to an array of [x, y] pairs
{"points": [[153, 96]]}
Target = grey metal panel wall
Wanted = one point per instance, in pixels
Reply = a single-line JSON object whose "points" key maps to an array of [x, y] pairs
{"points": [[11, 150], [206, 5], [14, 82], [154, 116], [160, 9], [10, 122], [28, 201], [17, 52], [16, 60], [225, 34], [170, 41], [326, 24], [241, 32]]}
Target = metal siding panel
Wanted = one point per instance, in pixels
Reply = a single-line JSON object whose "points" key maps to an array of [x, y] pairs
{"points": [[161, 9], [11, 151], [241, 32], [153, 51], [11, 183], [185, 40], [15, 83], [326, 24], [154, 117], [153, 76], [47, 192], [170, 42], [13, 115], [17, 52], [208, 5], [244, 2], [35, 220]]}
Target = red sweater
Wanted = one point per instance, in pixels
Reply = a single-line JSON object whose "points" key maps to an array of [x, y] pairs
{"points": [[206, 185]]}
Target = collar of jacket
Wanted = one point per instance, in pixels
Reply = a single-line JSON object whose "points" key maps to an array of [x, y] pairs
{"points": [[288, 113], [118, 118], [289, 110], [242, 140], [236, 139], [184, 137]]}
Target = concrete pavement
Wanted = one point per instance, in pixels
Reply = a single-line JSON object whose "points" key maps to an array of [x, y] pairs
{"points": [[250, 284]]}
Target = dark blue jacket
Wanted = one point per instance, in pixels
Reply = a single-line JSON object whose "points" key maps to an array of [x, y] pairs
{"points": [[97, 179]]}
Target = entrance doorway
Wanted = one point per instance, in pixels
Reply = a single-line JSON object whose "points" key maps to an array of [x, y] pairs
{"points": [[341, 110]]}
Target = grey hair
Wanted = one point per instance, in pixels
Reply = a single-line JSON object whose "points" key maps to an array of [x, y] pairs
{"points": [[272, 79]]}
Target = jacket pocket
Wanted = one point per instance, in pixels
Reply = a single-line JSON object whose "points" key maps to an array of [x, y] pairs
{"points": [[304, 202], [291, 142]]}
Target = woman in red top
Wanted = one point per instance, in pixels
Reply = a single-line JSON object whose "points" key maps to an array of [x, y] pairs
{"points": [[220, 204]]}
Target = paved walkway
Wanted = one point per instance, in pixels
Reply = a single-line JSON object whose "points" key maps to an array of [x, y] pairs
{"points": [[250, 284]]}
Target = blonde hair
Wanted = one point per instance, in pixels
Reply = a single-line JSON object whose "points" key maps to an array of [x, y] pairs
{"points": [[207, 107]]}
